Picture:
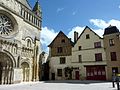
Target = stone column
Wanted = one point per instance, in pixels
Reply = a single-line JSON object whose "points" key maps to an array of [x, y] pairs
{"points": [[23, 74], [12, 75], [2, 76], [9, 75]]}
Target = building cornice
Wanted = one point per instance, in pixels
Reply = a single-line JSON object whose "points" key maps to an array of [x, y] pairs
{"points": [[87, 49]]}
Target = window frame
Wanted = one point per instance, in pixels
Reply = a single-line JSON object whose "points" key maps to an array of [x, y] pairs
{"points": [[113, 56], [97, 44], [62, 60], [29, 43], [59, 49], [111, 42], [87, 36], [80, 58], [63, 41], [79, 48], [98, 57], [59, 72]]}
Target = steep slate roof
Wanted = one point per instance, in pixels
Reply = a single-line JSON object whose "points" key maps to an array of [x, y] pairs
{"points": [[111, 30], [72, 44], [25, 2], [90, 30]]}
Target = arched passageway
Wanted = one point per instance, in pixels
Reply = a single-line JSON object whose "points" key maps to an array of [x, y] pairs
{"points": [[26, 71], [6, 69]]}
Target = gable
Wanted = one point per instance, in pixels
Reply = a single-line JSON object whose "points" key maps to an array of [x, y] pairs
{"points": [[87, 29], [59, 39], [87, 39], [89, 32]]}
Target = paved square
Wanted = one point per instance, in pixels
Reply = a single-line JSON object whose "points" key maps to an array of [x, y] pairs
{"points": [[60, 85]]}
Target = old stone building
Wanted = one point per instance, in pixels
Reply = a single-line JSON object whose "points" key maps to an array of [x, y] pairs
{"points": [[112, 49], [85, 59], [88, 56], [60, 56], [20, 28]]}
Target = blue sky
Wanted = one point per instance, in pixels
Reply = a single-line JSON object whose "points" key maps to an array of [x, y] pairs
{"points": [[74, 15]]}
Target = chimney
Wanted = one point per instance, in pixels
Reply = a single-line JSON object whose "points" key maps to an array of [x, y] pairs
{"points": [[70, 39], [75, 36]]}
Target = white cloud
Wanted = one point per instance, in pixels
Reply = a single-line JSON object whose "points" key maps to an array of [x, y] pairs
{"points": [[100, 32], [47, 35], [119, 6], [99, 23], [60, 9], [103, 24], [77, 29], [115, 23]]}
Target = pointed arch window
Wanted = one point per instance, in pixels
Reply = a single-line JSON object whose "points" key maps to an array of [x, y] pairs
{"points": [[28, 43]]}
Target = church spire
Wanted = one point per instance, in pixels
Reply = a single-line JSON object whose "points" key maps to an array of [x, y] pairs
{"points": [[36, 9]]}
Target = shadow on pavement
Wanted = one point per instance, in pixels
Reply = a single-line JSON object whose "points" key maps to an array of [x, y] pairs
{"points": [[76, 81]]}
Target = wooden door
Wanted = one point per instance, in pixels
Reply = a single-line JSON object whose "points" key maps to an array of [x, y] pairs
{"points": [[53, 76], [77, 76]]}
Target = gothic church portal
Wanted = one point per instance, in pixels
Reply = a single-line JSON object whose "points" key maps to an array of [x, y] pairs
{"points": [[20, 28]]}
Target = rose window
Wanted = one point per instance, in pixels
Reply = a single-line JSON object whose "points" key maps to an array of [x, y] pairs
{"points": [[6, 25]]}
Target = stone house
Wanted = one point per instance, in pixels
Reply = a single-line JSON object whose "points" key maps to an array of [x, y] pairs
{"points": [[112, 49], [83, 59], [88, 56], [60, 56]]}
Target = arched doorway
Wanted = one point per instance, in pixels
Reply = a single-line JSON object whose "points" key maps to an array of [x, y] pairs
{"points": [[6, 69], [25, 67]]}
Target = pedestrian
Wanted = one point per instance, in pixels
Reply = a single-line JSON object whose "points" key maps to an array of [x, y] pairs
{"points": [[113, 80], [117, 82]]}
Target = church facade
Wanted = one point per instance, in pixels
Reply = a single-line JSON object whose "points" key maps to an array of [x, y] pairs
{"points": [[20, 28]]}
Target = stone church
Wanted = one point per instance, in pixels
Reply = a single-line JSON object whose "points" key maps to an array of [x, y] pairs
{"points": [[20, 27]]}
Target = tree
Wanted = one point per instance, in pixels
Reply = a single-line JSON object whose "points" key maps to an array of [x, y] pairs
{"points": [[68, 72]]}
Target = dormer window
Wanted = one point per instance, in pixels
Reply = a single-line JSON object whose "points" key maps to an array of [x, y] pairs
{"points": [[63, 41], [87, 36]]}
